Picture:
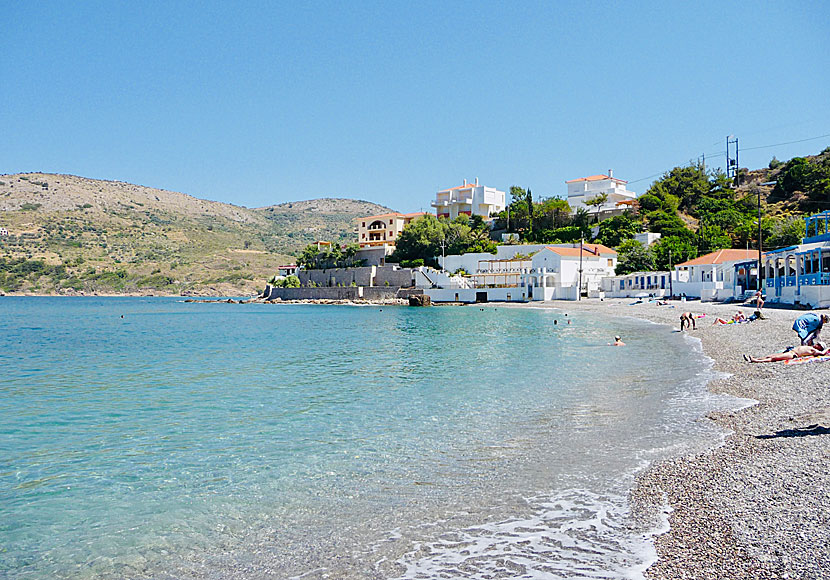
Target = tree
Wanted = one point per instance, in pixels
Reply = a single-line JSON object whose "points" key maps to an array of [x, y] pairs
{"points": [[422, 239], [597, 202], [672, 250], [614, 230], [632, 256], [529, 214]]}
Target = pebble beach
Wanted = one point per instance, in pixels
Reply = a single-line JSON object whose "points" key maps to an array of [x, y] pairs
{"points": [[757, 506]]}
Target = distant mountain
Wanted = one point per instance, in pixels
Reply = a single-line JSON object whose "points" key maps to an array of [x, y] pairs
{"points": [[296, 224], [72, 234]]}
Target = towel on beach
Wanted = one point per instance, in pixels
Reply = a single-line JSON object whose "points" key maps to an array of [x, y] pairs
{"points": [[806, 359]]}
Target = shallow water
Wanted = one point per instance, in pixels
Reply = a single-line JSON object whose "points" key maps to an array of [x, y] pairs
{"points": [[224, 440]]}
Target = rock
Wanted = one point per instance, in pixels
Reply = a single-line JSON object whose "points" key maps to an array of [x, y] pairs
{"points": [[420, 300]]}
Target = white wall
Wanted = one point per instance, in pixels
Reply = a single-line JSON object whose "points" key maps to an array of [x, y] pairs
{"points": [[469, 295]]}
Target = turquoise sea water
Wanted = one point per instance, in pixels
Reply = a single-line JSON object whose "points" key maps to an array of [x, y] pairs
{"points": [[190, 440]]}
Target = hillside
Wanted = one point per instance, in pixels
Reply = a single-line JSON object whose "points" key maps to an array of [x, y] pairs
{"points": [[296, 224], [71, 234]]}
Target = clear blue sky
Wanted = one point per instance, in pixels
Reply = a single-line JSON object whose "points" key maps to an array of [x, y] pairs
{"points": [[268, 102]]}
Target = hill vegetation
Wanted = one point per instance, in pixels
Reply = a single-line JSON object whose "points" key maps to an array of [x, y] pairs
{"points": [[70, 234]]}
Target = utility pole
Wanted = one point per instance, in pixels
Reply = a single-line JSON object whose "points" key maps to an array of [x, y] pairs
{"points": [[671, 289], [579, 290], [760, 277], [733, 169]]}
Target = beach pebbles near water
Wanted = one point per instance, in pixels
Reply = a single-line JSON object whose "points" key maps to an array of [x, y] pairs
{"points": [[759, 505]]}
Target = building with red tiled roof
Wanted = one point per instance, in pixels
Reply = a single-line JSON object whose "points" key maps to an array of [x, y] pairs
{"points": [[712, 276], [382, 231], [470, 199], [585, 189]]}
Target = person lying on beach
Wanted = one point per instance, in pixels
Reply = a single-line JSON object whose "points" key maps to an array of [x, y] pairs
{"points": [[736, 318], [802, 351], [617, 342], [687, 319], [808, 327]]}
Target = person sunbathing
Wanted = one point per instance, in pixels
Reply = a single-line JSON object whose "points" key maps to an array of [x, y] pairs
{"points": [[803, 351], [736, 318]]}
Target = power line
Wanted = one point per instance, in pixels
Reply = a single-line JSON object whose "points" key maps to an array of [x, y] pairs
{"points": [[722, 153], [787, 143]]}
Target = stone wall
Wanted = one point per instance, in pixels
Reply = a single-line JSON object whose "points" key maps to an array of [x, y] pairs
{"points": [[387, 276], [375, 293]]}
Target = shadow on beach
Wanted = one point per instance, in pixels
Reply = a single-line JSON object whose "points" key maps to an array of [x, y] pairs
{"points": [[798, 432]]}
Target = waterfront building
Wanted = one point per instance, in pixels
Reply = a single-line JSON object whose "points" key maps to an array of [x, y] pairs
{"points": [[638, 285], [800, 274], [526, 272], [470, 199], [713, 276], [587, 188], [287, 270]]}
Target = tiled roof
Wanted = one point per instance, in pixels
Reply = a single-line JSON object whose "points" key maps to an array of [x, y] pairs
{"points": [[721, 256], [588, 250], [596, 178]]}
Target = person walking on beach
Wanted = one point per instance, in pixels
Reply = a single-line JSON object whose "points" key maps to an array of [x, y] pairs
{"points": [[687, 319], [803, 351], [808, 327], [759, 300]]}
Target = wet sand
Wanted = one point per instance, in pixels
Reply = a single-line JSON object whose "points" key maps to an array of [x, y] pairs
{"points": [[759, 505]]}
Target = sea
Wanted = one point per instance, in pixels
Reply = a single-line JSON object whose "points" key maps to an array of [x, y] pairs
{"points": [[158, 438]]}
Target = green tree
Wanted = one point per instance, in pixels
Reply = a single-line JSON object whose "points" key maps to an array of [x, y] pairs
{"points": [[422, 239], [614, 230], [632, 256], [672, 250], [597, 202], [787, 231]]}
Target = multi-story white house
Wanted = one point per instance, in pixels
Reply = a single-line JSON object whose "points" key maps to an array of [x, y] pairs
{"points": [[470, 199], [587, 188]]}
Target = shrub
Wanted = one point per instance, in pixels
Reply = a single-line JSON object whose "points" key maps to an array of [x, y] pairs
{"points": [[30, 206]]}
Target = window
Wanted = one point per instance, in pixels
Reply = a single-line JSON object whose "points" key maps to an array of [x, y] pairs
{"points": [[825, 262], [610, 263], [790, 265], [364, 224]]}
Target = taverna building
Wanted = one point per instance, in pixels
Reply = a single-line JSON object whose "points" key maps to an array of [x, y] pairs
{"points": [[801, 274], [526, 272]]}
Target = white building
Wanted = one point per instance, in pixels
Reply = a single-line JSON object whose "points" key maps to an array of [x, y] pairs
{"points": [[638, 284], [549, 272], [472, 262], [4, 232], [710, 277], [587, 188], [470, 199]]}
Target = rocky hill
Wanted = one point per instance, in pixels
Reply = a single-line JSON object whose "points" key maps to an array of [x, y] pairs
{"points": [[70, 234]]}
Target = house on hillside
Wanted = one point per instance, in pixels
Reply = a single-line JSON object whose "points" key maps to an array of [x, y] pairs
{"points": [[710, 277], [470, 199], [377, 234], [585, 189], [4, 232]]}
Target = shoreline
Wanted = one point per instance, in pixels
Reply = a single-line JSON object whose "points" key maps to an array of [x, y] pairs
{"points": [[757, 505]]}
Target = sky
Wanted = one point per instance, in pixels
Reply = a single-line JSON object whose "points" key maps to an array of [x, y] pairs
{"points": [[258, 103]]}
